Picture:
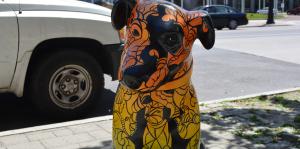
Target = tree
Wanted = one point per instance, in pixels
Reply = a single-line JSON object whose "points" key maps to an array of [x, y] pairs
{"points": [[271, 13]]}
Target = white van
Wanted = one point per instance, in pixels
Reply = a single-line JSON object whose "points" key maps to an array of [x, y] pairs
{"points": [[55, 53]]}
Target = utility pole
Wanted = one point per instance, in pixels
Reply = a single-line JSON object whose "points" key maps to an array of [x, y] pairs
{"points": [[282, 5], [275, 4], [252, 6], [225, 2], [181, 3], [243, 6], [271, 13]]}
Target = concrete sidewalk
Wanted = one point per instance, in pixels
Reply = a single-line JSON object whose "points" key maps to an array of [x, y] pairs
{"points": [[97, 135]]}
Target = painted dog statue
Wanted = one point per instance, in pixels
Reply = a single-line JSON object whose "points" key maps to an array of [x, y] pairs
{"points": [[156, 105]]}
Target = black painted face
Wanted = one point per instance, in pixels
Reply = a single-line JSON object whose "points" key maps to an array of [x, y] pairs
{"points": [[158, 44], [166, 37]]}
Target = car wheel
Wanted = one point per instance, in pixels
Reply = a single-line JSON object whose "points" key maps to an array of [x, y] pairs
{"points": [[219, 28], [232, 24], [66, 84]]}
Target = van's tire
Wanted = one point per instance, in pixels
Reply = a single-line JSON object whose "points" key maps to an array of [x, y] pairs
{"points": [[233, 24], [66, 84]]}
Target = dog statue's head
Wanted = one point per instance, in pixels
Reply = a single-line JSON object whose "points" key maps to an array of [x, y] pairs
{"points": [[158, 41]]}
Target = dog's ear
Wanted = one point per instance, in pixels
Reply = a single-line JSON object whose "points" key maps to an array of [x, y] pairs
{"points": [[206, 32], [121, 12]]}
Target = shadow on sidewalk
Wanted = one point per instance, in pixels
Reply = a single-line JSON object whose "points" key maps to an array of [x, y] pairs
{"points": [[17, 113], [261, 127], [102, 145]]}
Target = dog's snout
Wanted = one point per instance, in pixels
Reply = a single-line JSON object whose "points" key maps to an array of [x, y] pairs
{"points": [[132, 82]]}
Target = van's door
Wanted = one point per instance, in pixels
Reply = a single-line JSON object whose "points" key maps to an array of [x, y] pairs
{"points": [[8, 44]]}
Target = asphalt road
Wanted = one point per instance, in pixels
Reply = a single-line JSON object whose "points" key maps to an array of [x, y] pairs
{"points": [[249, 61], [280, 43], [244, 61]]}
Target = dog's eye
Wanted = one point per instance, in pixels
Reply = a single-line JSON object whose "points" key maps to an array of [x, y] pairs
{"points": [[171, 42], [135, 32], [171, 39]]}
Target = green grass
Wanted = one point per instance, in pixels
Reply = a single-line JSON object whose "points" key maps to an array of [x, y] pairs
{"points": [[257, 16]]}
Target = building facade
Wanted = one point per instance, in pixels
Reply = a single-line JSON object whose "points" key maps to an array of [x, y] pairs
{"points": [[243, 5]]}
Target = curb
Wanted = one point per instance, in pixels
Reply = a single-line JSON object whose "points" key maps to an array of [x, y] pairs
{"points": [[261, 24], [251, 96], [56, 125], [265, 25], [110, 117]]}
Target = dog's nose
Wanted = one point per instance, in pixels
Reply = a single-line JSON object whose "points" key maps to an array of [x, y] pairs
{"points": [[132, 82]]}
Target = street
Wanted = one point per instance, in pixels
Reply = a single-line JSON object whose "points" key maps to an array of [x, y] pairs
{"points": [[248, 61], [244, 61], [278, 43]]}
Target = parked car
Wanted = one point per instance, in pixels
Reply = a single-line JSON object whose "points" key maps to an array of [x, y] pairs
{"points": [[55, 53], [295, 11], [225, 16], [266, 11]]}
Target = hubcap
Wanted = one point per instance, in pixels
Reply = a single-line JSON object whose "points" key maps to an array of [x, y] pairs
{"points": [[233, 24], [70, 86]]}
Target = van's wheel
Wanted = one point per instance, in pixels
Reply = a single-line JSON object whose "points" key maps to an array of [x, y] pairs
{"points": [[233, 24], [66, 84]]}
